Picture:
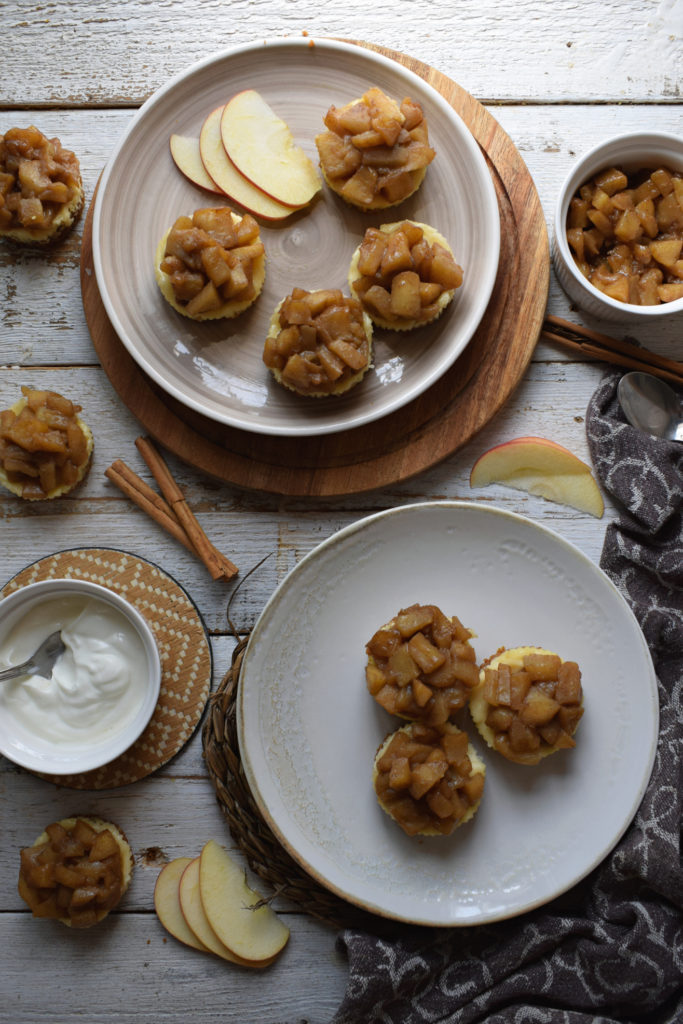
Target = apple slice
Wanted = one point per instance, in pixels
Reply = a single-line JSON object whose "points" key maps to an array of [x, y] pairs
{"points": [[187, 158], [228, 902], [261, 147], [228, 178], [195, 918], [167, 903], [542, 467]]}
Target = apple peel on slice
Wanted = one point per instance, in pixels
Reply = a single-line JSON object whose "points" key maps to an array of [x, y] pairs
{"points": [[228, 179], [262, 148], [167, 903], [541, 467], [237, 915]]}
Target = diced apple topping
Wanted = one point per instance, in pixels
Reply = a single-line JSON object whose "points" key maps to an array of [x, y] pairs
{"points": [[40, 183], [421, 665], [319, 342], [375, 151], [44, 446], [530, 704], [213, 259], [626, 234], [428, 778], [76, 872], [404, 274]]}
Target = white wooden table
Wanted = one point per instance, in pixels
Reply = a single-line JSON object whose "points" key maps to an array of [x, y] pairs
{"points": [[559, 77]]}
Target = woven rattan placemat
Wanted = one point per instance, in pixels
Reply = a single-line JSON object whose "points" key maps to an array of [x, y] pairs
{"points": [[184, 649], [264, 854]]}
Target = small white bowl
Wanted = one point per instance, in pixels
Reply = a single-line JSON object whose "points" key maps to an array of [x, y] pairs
{"points": [[75, 730], [629, 152]]}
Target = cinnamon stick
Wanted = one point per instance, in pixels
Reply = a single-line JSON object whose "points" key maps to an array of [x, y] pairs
{"points": [[614, 358], [148, 500], [217, 564], [611, 350]]}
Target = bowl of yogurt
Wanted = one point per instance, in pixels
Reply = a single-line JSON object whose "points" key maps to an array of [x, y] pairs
{"points": [[102, 690]]}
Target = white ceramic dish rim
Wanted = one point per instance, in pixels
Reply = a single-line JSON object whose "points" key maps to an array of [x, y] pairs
{"points": [[279, 828], [490, 239], [629, 150], [12, 608]]}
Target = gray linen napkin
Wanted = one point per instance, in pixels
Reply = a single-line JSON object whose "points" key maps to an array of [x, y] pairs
{"points": [[611, 949]]}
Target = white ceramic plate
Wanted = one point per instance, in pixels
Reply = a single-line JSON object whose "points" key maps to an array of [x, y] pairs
{"points": [[308, 728], [216, 367]]}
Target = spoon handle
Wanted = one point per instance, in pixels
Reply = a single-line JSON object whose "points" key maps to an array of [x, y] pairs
{"points": [[16, 670]]}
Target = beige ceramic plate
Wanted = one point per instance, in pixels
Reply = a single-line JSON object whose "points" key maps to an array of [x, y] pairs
{"points": [[216, 367], [308, 728]]}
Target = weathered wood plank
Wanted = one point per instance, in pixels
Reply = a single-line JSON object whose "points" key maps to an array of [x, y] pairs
{"points": [[131, 971], [103, 55]]}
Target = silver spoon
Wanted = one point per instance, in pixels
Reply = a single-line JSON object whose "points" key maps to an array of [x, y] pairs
{"points": [[651, 405], [42, 662]]}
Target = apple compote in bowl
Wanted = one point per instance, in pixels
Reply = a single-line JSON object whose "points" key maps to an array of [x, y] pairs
{"points": [[618, 229]]}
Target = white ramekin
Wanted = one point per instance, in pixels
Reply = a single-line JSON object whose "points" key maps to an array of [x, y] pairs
{"points": [[38, 753], [629, 152]]}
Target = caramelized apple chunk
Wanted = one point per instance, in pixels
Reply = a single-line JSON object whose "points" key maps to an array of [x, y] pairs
{"points": [[212, 264], [76, 871], [421, 665], [428, 778], [375, 151], [45, 447], [319, 343], [528, 703], [404, 274], [626, 234], [41, 193]]}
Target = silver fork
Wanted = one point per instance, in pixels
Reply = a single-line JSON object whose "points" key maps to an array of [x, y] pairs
{"points": [[41, 663]]}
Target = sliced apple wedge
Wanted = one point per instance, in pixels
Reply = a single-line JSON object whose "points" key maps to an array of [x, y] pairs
{"points": [[167, 903], [187, 158], [262, 148], [228, 179], [541, 467], [229, 904], [193, 912]]}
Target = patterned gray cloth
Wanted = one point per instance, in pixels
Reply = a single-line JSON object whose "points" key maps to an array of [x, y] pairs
{"points": [[611, 949]]}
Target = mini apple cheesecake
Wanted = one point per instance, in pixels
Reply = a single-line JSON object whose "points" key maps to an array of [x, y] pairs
{"points": [[76, 871], [404, 274], [429, 779], [375, 151], [318, 343], [212, 264], [45, 447], [421, 665], [41, 192], [528, 703]]}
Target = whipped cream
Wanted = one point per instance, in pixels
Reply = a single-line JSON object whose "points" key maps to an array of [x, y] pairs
{"points": [[97, 684]]}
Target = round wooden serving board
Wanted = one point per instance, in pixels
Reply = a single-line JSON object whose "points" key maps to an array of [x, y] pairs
{"points": [[414, 437]]}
